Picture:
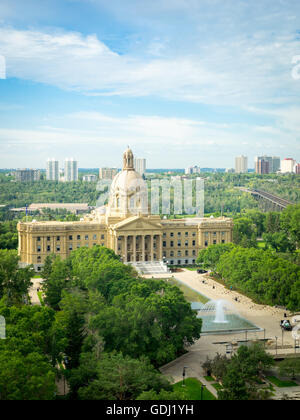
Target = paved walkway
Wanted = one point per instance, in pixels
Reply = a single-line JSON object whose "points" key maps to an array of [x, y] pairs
{"points": [[265, 317], [36, 284]]}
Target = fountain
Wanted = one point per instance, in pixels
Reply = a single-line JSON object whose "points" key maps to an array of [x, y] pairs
{"points": [[221, 316]]}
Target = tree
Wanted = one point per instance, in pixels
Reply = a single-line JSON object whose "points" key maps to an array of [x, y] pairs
{"points": [[289, 367], [14, 281], [27, 377], [119, 377]]}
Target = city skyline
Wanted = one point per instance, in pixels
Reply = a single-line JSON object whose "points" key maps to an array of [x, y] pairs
{"points": [[197, 81]]}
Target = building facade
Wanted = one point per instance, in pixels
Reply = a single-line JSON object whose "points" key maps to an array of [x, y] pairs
{"points": [[262, 167], [241, 164], [140, 165], [126, 227], [71, 170], [107, 173], [288, 165], [27, 175], [52, 170]]}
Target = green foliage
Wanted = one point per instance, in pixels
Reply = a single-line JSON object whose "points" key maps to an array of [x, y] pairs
{"points": [[8, 235], [262, 275], [210, 256], [27, 377], [14, 281], [115, 377], [290, 367]]}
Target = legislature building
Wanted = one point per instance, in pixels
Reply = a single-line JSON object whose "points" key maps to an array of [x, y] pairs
{"points": [[125, 226]]}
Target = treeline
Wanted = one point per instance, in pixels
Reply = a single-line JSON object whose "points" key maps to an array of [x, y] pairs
{"points": [[8, 235], [260, 274], [103, 328]]}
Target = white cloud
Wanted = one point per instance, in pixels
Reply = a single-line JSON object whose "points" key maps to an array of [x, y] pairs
{"points": [[238, 72]]}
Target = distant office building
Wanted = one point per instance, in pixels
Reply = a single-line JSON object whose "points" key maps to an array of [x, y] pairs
{"points": [[229, 171], [140, 165], [274, 162], [241, 164], [89, 178], [288, 165], [262, 167], [297, 168], [27, 175], [71, 170], [107, 173], [192, 170], [52, 170]]}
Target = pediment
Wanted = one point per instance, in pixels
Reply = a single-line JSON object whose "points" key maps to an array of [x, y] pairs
{"points": [[138, 223]]}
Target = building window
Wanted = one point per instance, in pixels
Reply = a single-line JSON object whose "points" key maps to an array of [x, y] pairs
{"points": [[48, 238], [78, 246], [179, 233], [206, 233], [223, 241], [102, 236], [58, 238], [70, 238], [172, 254], [164, 235], [86, 237], [95, 237], [78, 238], [194, 243], [186, 233], [58, 249], [39, 258], [38, 239], [186, 243], [223, 233], [171, 234], [194, 234], [206, 243], [39, 269], [179, 262], [215, 233], [179, 243], [194, 252], [164, 244], [71, 248], [179, 254], [186, 253], [171, 243], [48, 248], [38, 249], [214, 242], [171, 262], [186, 261]]}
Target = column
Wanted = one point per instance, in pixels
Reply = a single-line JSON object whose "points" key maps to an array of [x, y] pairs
{"points": [[125, 248], [134, 248], [160, 248], [151, 248], [143, 248]]}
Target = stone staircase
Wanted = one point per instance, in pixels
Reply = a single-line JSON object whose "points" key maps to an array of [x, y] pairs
{"points": [[151, 267]]}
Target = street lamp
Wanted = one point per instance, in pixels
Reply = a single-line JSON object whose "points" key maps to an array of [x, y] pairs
{"points": [[202, 386], [183, 375]]}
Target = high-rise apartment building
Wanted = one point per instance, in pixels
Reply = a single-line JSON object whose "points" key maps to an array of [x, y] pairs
{"points": [[297, 168], [288, 165], [241, 164], [71, 170], [107, 173], [192, 170], [52, 171], [140, 165], [27, 175], [89, 178], [262, 167], [274, 162]]}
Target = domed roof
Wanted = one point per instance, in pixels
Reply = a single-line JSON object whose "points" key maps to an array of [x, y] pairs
{"points": [[128, 192]]}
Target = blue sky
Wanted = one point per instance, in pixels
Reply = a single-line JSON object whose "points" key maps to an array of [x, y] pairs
{"points": [[183, 82]]}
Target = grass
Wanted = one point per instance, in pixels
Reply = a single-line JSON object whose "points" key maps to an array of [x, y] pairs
{"points": [[192, 390], [209, 378], [190, 294], [40, 296], [281, 384]]}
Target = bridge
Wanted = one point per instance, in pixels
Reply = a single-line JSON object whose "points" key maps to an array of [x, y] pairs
{"points": [[268, 200]]}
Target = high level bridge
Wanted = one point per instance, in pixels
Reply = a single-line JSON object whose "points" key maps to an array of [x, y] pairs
{"points": [[269, 201]]}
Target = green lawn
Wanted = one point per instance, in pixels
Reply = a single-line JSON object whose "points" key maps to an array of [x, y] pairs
{"points": [[192, 390], [281, 384], [40, 296], [190, 294], [209, 378]]}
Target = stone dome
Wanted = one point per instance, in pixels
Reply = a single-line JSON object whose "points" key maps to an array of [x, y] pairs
{"points": [[128, 192]]}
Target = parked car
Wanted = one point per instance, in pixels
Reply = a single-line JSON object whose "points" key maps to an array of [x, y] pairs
{"points": [[286, 325], [201, 271]]}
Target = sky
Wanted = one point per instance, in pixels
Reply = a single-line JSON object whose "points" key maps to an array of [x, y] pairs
{"points": [[182, 82]]}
